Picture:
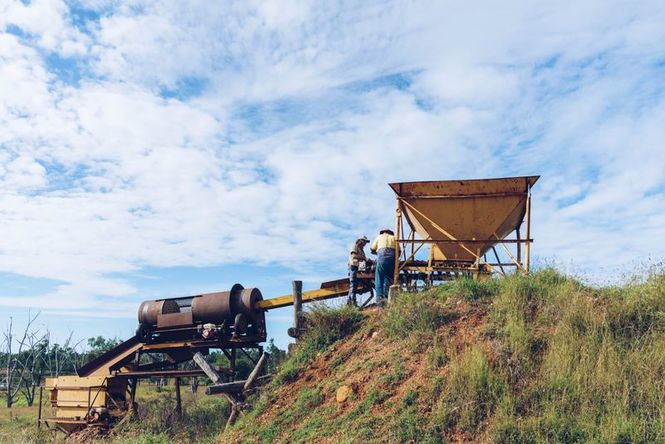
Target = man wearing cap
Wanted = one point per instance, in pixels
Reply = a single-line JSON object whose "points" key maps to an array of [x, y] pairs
{"points": [[385, 247], [356, 257]]}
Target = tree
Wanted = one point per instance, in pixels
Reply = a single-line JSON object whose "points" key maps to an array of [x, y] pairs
{"points": [[100, 345], [32, 365], [15, 363], [60, 358], [277, 356]]}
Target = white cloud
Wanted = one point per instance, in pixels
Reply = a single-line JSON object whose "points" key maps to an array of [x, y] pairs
{"points": [[46, 21], [282, 151]]}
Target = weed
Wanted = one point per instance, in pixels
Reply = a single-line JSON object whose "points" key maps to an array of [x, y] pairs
{"points": [[157, 422], [437, 358]]}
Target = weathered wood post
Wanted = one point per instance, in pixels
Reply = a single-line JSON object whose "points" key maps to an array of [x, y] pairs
{"points": [[178, 401], [255, 372], [207, 368], [296, 330]]}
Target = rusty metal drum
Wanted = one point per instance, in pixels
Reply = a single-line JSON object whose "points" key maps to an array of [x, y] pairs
{"points": [[150, 310], [214, 308]]}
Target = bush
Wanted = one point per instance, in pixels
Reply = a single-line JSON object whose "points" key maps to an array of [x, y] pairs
{"points": [[598, 375]]}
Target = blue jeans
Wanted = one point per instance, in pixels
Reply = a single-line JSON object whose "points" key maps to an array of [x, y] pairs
{"points": [[353, 284], [385, 268]]}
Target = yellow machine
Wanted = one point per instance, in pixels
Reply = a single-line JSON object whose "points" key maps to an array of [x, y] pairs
{"points": [[461, 221], [83, 400], [171, 332]]}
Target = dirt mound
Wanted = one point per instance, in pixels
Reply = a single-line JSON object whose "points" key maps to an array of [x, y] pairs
{"points": [[380, 372], [522, 359]]}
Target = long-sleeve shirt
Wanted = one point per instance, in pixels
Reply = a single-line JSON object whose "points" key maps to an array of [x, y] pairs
{"points": [[357, 254]]}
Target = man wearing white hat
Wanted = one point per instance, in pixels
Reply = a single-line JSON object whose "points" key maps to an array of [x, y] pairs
{"points": [[385, 247], [356, 258]]}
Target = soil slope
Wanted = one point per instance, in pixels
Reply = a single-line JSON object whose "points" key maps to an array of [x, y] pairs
{"points": [[537, 359]]}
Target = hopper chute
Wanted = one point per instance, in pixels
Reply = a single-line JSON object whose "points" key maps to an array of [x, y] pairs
{"points": [[462, 220]]}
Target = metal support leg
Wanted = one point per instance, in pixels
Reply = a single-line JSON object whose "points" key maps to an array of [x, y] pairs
{"points": [[233, 364], [39, 414]]}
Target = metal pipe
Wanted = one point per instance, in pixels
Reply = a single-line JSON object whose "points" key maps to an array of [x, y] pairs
{"points": [[39, 415]]}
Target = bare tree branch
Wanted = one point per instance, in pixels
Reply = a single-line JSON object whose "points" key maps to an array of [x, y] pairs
{"points": [[15, 366]]}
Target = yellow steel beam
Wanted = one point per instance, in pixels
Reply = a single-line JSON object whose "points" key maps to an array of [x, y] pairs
{"points": [[307, 296]]}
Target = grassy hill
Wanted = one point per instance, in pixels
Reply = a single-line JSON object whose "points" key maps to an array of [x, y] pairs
{"points": [[524, 359]]}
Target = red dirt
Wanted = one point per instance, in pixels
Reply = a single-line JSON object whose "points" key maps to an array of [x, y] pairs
{"points": [[370, 355]]}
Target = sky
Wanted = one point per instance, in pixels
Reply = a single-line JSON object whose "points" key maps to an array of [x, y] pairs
{"points": [[163, 148]]}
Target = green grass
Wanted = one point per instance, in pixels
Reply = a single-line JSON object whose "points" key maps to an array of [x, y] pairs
{"points": [[203, 417], [416, 313], [471, 393], [19, 425], [590, 362], [325, 326], [157, 423]]}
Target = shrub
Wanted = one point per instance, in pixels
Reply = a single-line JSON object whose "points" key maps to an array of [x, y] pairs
{"points": [[157, 422]]}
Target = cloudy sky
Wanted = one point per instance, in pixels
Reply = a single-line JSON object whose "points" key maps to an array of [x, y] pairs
{"points": [[160, 148]]}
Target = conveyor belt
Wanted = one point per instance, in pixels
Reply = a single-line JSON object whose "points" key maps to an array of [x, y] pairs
{"points": [[101, 365], [328, 290]]}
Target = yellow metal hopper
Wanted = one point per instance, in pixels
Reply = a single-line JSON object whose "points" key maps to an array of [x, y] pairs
{"points": [[462, 221]]}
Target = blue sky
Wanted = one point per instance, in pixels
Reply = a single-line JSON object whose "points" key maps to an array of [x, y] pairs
{"points": [[162, 148]]}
